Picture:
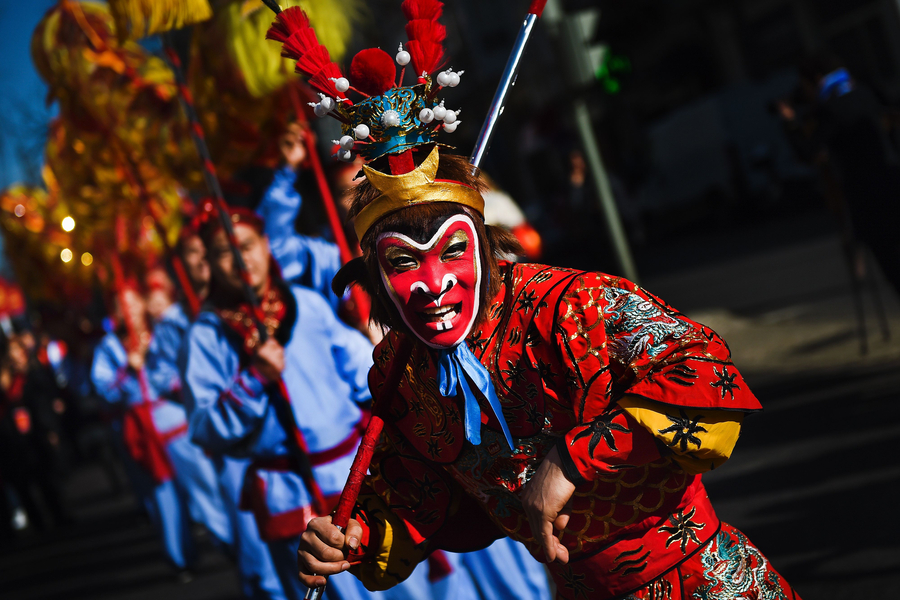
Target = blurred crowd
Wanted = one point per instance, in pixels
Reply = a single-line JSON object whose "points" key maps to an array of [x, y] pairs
{"points": [[843, 128]]}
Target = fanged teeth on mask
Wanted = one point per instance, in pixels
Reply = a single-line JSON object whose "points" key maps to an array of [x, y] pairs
{"points": [[443, 313]]}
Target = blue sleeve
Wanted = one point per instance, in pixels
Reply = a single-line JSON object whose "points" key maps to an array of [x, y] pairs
{"points": [[280, 206], [353, 357], [162, 360], [307, 261], [113, 381], [225, 405]]}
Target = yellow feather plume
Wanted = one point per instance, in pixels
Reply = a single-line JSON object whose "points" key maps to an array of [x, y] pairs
{"points": [[136, 19], [243, 30]]}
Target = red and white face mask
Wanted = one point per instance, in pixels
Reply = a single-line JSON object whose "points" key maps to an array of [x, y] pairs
{"points": [[436, 286]]}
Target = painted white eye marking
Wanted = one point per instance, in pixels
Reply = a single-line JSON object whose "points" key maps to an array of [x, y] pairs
{"points": [[433, 242]]}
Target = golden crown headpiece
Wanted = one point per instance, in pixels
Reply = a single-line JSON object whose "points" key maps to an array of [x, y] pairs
{"points": [[418, 186]]}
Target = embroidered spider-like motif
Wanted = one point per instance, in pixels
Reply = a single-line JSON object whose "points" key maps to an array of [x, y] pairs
{"points": [[515, 372], [684, 428], [429, 487], [534, 418], [453, 415], [602, 428], [725, 382], [434, 448], [682, 529], [532, 337], [545, 370], [575, 582], [384, 356], [480, 344], [417, 407], [526, 300]]}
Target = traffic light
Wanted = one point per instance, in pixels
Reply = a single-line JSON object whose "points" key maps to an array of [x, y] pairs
{"points": [[612, 67], [590, 61], [588, 56]]}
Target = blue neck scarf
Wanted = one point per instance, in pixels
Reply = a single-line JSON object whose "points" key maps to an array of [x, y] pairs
{"points": [[837, 83], [453, 366]]}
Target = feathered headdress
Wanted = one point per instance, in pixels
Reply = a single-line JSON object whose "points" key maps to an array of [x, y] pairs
{"points": [[387, 118]]}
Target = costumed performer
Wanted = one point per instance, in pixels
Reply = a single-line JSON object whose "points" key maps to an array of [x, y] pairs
{"points": [[238, 406], [571, 411], [145, 426]]}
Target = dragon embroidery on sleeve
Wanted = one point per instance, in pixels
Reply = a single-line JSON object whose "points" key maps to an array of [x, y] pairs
{"points": [[635, 325]]}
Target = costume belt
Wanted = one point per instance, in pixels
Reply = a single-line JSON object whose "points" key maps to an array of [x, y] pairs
{"points": [[316, 459], [145, 444], [292, 523]]}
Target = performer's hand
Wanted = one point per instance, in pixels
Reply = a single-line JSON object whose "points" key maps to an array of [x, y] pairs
{"points": [[136, 360], [269, 360], [544, 499], [323, 550], [786, 111], [292, 145]]}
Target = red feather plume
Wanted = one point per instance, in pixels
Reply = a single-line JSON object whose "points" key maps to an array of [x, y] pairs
{"points": [[426, 35], [299, 42]]}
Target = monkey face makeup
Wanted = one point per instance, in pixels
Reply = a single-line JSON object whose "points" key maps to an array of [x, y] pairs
{"points": [[436, 286]]}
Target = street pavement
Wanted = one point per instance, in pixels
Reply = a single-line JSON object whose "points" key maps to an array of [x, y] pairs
{"points": [[814, 480], [110, 552]]}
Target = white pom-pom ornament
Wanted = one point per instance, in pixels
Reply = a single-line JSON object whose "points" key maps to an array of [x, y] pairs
{"points": [[440, 112], [390, 118], [347, 142], [320, 111], [444, 78], [450, 117], [341, 84], [327, 103], [454, 79], [361, 131], [402, 57], [451, 127], [426, 116], [345, 155]]}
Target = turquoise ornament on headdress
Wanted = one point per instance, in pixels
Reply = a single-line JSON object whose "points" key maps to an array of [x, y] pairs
{"points": [[393, 120]]}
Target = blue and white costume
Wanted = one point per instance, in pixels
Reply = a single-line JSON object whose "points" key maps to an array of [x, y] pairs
{"points": [[303, 260], [233, 412], [255, 569], [503, 570], [193, 469], [166, 502]]}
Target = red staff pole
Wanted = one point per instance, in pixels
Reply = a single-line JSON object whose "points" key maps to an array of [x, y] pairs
{"points": [[187, 286], [358, 304], [134, 340], [283, 409]]}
